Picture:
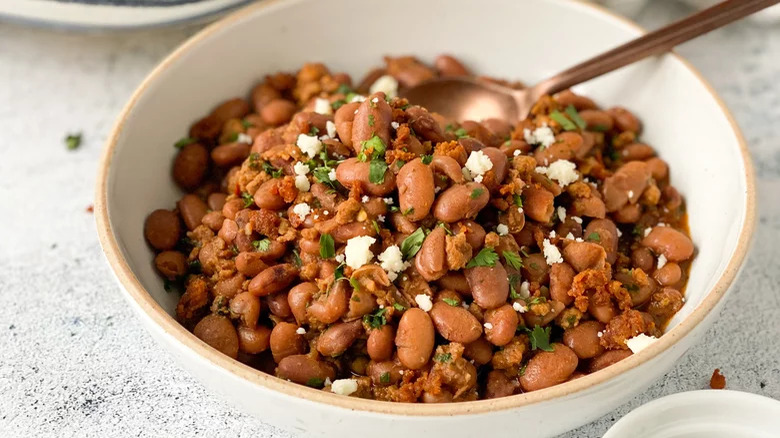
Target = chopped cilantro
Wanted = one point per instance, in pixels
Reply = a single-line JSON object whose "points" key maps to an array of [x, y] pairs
{"points": [[412, 243], [338, 273], [327, 246], [540, 339], [194, 267], [594, 236], [476, 193], [399, 307], [384, 377], [631, 287], [370, 120], [443, 357], [376, 171], [512, 292], [451, 301], [246, 123], [372, 148], [485, 257], [315, 382], [179, 144], [271, 170], [248, 199], [254, 157], [296, 258], [461, 132], [262, 245], [376, 227], [314, 131], [343, 89], [426, 159], [512, 259], [355, 285], [408, 211], [376, 319], [518, 200], [599, 128], [446, 228]]}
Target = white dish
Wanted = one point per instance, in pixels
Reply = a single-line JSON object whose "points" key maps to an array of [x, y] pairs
{"points": [[112, 14], [702, 414], [684, 120]]}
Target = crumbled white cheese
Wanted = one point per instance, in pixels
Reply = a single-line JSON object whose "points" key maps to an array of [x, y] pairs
{"points": [[300, 168], [502, 230], [325, 212], [392, 261], [525, 290], [358, 251], [552, 234], [302, 210], [619, 233], [388, 201], [630, 193], [375, 100], [328, 382], [579, 239], [344, 386], [437, 189], [570, 236], [332, 174], [478, 178], [380, 218], [478, 163], [358, 98], [516, 153], [309, 145], [661, 261], [386, 84], [640, 342], [577, 219], [243, 138], [322, 106], [563, 171], [600, 334], [519, 307], [561, 213], [542, 136], [647, 231], [488, 326], [300, 331], [551, 253], [395, 125], [339, 258], [424, 301], [331, 128], [302, 183], [364, 199], [324, 137], [520, 209]]}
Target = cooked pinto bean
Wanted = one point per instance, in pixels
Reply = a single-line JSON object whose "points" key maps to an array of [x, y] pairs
{"points": [[668, 275], [448, 166], [380, 343], [626, 185], [604, 232], [329, 307], [253, 340], [606, 359], [499, 385], [584, 339], [597, 120], [277, 112], [624, 119], [415, 189], [455, 281], [247, 307], [455, 323], [461, 201], [352, 171], [560, 150], [643, 259], [580, 103], [659, 170], [373, 118], [549, 368], [278, 305], [192, 209], [532, 319], [171, 264], [480, 351], [303, 369], [673, 244], [431, 260], [489, 285], [219, 333], [338, 337], [500, 325], [344, 119], [273, 279], [538, 204], [561, 277], [299, 299], [285, 341], [535, 268], [268, 196], [415, 338], [229, 154], [639, 286], [230, 286], [190, 166], [408, 70], [162, 229], [250, 263], [636, 151], [424, 124], [499, 169], [584, 255], [213, 220], [665, 303], [449, 66]]}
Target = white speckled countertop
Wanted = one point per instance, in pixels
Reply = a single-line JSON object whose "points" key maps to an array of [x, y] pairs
{"points": [[74, 362]]}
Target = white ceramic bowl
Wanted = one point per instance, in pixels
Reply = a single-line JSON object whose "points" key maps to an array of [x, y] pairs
{"points": [[684, 120], [702, 414]]}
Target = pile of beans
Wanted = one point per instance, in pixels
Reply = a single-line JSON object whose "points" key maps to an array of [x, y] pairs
{"points": [[336, 236]]}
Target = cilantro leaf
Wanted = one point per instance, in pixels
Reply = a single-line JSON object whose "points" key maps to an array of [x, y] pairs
{"points": [[327, 246], [461, 132], [594, 236], [384, 377], [179, 144], [486, 257], [73, 141], [443, 357], [512, 259], [376, 171], [540, 339], [315, 382], [476, 193], [399, 307], [413, 243], [451, 301], [518, 200], [376, 319], [372, 148], [262, 245], [248, 199], [426, 159], [563, 121]]}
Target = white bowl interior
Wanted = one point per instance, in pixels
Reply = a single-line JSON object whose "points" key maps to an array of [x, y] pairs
{"points": [[524, 40]]}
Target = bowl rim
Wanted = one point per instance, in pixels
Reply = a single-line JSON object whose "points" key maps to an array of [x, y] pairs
{"points": [[136, 292]]}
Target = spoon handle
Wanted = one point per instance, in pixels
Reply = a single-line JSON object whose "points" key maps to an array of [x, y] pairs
{"points": [[654, 43]]}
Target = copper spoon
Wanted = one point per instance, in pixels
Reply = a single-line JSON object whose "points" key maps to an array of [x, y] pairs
{"points": [[465, 98]]}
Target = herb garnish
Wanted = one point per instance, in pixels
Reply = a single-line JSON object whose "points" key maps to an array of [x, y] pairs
{"points": [[443, 357], [179, 144], [248, 199], [540, 339], [262, 245], [376, 319], [413, 243], [512, 259], [594, 236], [575, 117], [451, 301], [327, 246], [563, 121], [485, 257], [376, 171], [476, 193]]}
